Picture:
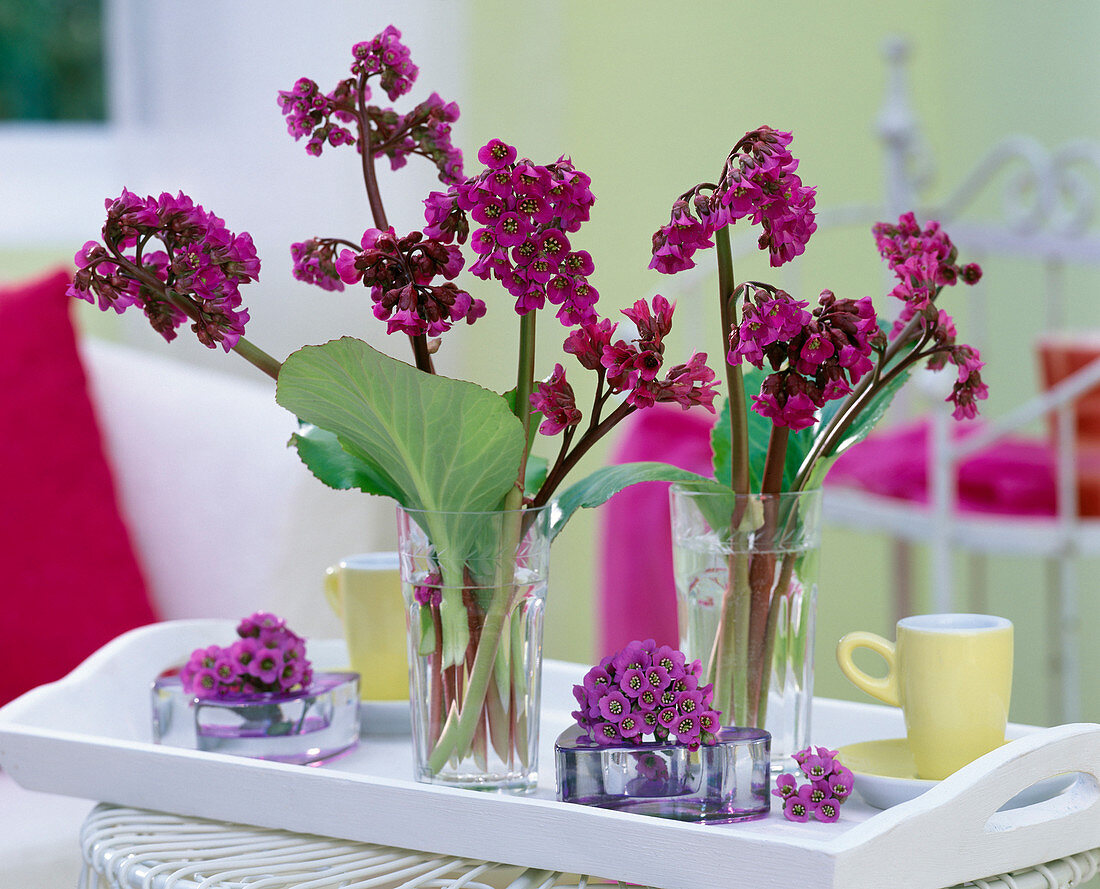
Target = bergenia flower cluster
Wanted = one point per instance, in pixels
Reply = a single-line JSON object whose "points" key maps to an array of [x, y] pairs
{"points": [[526, 211], [633, 367], [646, 689], [924, 261], [758, 182], [426, 130], [830, 373], [266, 658], [816, 356], [821, 797], [173, 260], [400, 271]]}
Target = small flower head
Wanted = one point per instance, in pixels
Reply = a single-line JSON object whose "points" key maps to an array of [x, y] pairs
{"points": [[758, 183], [266, 657], [400, 272], [527, 211], [554, 399], [620, 704], [208, 265], [829, 786]]}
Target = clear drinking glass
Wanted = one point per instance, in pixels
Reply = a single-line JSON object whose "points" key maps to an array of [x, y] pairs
{"points": [[746, 585], [474, 586]]}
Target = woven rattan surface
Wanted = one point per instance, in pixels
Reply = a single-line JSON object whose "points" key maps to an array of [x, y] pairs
{"points": [[135, 849]]}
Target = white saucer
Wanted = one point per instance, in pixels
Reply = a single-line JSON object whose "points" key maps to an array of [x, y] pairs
{"points": [[886, 775]]}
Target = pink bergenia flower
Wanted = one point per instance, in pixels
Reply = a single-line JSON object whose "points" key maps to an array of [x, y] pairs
{"points": [[315, 263], [688, 385], [588, 341], [554, 399], [817, 356], [829, 785], [759, 183], [386, 55], [786, 786], [617, 701], [527, 211], [924, 261], [425, 130], [799, 805], [208, 265], [400, 272], [496, 155], [267, 657]]}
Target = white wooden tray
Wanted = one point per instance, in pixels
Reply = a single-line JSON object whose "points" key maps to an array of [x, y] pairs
{"points": [[89, 736]]}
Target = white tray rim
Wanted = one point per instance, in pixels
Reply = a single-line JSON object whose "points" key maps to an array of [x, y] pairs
{"points": [[514, 830]]}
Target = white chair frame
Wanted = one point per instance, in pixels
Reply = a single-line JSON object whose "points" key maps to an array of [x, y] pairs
{"points": [[1049, 205]]}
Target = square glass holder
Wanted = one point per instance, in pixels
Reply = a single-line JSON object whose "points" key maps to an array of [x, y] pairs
{"points": [[716, 784], [304, 727]]}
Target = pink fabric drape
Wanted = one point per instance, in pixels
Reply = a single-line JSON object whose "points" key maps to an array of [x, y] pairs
{"points": [[1016, 476]]}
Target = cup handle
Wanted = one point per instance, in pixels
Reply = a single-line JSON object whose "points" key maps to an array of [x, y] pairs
{"points": [[886, 688], [332, 590]]}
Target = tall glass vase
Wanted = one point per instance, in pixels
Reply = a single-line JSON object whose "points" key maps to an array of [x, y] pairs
{"points": [[746, 586], [474, 586]]}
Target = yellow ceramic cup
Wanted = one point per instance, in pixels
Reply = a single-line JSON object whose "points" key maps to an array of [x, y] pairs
{"points": [[952, 676], [365, 591]]}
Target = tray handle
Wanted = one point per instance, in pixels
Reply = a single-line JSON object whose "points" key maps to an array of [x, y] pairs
{"points": [[1040, 761], [958, 820]]}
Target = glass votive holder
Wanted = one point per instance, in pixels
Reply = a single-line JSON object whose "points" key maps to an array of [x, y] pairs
{"points": [[715, 784], [304, 727]]}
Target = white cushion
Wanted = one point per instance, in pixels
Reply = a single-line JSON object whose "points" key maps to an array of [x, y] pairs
{"points": [[225, 517]]}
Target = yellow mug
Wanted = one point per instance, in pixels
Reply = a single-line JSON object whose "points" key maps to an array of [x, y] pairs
{"points": [[365, 591], [952, 676]]}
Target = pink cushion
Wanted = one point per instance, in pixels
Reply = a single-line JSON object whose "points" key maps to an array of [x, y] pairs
{"points": [[69, 579], [1013, 476], [637, 590], [637, 601]]}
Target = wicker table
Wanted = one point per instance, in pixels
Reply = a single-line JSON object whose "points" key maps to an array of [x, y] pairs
{"points": [[133, 848]]}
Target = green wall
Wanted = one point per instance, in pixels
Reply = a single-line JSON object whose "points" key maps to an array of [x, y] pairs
{"points": [[648, 99]]}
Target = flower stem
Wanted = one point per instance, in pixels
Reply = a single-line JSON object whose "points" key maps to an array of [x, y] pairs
{"points": [[249, 351], [829, 437], [462, 722], [366, 155], [419, 342], [563, 465], [258, 358], [735, 387], [525, 382], [729, 657], [762, 580], [780, 593]]}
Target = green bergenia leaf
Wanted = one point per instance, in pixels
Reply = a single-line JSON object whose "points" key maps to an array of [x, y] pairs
{"points": [[320, 450], [533, 425], [760, 428], [431, 442], [535, 474], [608, 480]]}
